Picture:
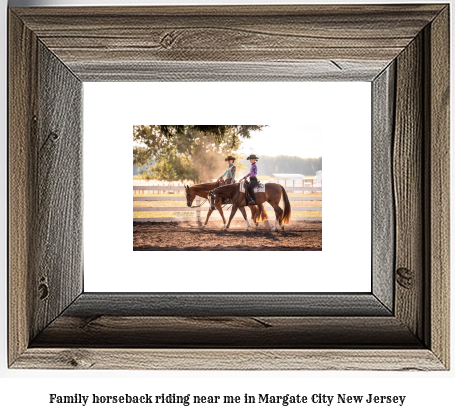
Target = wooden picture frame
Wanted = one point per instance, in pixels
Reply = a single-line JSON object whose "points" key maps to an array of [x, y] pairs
{"points": [[403, 324]]}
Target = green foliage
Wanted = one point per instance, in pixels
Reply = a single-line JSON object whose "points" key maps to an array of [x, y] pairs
{"points": [[287, 164], [186, 152]]}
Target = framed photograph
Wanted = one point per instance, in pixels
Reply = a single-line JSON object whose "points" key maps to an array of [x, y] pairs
{"points": [[160, 197], [400, 323]]}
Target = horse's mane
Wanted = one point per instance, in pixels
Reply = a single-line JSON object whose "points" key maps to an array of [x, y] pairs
{"points": [[202, 186], [226, 188]]}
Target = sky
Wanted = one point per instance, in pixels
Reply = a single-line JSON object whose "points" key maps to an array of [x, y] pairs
{"points": [[303, 141]]}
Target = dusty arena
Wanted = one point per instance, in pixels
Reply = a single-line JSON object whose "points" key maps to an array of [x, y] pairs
{"points": [[188, 236]]}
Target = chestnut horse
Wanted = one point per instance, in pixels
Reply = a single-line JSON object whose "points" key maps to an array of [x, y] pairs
{"points": [[273, 193], [257, 212]]}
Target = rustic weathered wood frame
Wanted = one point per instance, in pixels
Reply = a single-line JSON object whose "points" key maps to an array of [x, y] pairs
{"points": [[403, 50]]}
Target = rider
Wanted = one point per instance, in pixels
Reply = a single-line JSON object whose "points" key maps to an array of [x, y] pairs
{"points": [[253, 180], [230, 171]]}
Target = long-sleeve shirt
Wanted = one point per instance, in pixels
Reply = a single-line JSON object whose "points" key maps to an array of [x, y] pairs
{"points": [[230, 171], [253, 171]]}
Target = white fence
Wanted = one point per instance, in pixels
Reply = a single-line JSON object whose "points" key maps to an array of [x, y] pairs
{"points": [[291, 183], [197, 211]]}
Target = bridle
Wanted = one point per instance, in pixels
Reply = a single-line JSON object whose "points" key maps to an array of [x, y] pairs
{"points": [[192, 207]]}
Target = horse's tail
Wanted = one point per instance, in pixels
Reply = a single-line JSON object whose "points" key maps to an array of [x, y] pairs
{"points": [[258, 213], [287, 207], [263, 213]]}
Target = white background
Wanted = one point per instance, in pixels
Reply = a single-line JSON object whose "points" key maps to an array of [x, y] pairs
{"points": [[27, 391], [340, 110]]}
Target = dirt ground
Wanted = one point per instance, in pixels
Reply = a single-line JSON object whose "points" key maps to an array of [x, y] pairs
{"points": [[188, 236]]}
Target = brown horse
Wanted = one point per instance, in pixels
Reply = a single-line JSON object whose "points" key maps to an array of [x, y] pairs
{"points": [[257, 212], [273, 193]]}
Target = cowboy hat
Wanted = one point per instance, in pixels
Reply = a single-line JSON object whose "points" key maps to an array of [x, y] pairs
{"points": [[253, 156], [229, 158]]}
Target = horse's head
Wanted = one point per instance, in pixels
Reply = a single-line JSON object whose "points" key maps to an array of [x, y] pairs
{"points": [[190, 195]]}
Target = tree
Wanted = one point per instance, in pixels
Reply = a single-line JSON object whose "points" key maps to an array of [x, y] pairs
{"points": [[186, 152]]}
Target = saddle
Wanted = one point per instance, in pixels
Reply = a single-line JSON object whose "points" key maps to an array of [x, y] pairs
{"points": [[258, 188]]}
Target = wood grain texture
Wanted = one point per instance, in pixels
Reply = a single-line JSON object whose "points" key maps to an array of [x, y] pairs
{"points": [[256, 332], [438, 191], [232, 304], [45, 187], [22, 94], [407, 174], [383, 215], [229, 359], [157, 71], [121, 37], [52, 47], [57, 219]]}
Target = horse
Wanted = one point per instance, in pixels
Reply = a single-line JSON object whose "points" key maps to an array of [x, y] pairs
{"points": [[273, 193], [257, 212]]}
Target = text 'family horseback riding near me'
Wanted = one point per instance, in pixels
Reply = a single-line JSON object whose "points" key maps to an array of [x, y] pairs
{"points": [[247, 399]]}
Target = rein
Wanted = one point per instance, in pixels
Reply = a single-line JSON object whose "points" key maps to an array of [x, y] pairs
{"points": [[192, 207], [230, 197], [205, 200]]}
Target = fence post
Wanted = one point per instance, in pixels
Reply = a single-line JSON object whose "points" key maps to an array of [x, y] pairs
{"points": [[198, 211]]}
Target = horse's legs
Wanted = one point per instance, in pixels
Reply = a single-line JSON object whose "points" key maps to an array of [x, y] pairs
{"points": [[209, 213], [278, 214], [220, 209], [234, 210], [258, 215], [254, 214], [242, 209]]}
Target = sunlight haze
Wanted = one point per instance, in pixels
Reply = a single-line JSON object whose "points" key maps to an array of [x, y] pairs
{"points": [[291, 140]]}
